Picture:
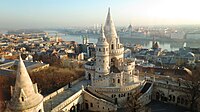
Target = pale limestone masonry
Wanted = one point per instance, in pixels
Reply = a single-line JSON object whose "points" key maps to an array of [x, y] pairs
{"points": [[24, 95], [111, 74]]}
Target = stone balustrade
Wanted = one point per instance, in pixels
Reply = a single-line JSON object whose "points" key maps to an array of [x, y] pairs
{"points": [[167, 84], [145, 98], [117, 89], [117, 51]]}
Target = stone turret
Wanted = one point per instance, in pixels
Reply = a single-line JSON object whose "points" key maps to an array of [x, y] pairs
{"points": [[24, 95], [116, 49], [102, 55]]}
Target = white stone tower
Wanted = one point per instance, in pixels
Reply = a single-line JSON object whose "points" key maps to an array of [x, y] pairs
{"points": [[24, 96], [102, 55], [116, 49]]}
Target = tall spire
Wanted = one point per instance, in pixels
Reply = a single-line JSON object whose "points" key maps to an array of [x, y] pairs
{"points": [[102, 38], [102, 35], [25, 94], [110, 31]]}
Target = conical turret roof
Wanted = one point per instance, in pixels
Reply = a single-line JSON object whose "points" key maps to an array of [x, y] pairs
{"points": [[109, 28], [25, 94], [102, 39], [23, 79]]}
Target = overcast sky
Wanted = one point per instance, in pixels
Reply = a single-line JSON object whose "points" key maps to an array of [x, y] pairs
{"points": [[64, 13]]}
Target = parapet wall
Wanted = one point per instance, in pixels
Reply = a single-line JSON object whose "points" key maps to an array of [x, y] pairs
{"points": [[61, 89]]}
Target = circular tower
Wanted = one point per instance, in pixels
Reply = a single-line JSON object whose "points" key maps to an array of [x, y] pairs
{"points": [[102, 56]]}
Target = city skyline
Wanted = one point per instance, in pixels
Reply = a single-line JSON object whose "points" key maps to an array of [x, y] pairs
{"points": [[66, 13]]}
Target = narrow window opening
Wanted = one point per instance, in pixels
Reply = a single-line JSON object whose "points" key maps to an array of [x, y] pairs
{"points": [[112, 46], [22, 98]]}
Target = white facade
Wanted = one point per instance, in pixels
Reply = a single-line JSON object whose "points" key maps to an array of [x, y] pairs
{"points": [[24, 95], [110, 70]]}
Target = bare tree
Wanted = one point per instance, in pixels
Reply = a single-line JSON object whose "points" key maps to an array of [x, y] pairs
{"points": [[192, 83], [133, 105]]}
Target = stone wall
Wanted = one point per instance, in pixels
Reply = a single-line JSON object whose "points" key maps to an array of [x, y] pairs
{"points": [[93, 103], [146, 97], [61, 89], [70, 102]]}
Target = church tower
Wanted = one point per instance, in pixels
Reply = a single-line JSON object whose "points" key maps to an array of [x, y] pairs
{"points": [[102, 55], [24, 95]]}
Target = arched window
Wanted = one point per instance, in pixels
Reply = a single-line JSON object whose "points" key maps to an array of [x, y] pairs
{"points": [[40, 110], [112, 46], [118, 80], [22, 98]]}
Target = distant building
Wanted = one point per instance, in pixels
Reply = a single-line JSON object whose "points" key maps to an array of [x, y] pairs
{"points": [[178, 35]]}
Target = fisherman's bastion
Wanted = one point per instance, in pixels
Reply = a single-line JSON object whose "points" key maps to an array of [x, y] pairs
{"points": [[110, 81]]}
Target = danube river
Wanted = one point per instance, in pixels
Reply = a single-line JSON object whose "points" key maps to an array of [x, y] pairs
{"points": [[146, 43]]}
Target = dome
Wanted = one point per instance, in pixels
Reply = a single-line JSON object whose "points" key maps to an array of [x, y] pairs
{"points": [[189, 72], [190, 54]]}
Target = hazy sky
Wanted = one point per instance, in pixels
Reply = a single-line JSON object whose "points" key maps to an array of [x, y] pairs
{"points": [[63, 13]]}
